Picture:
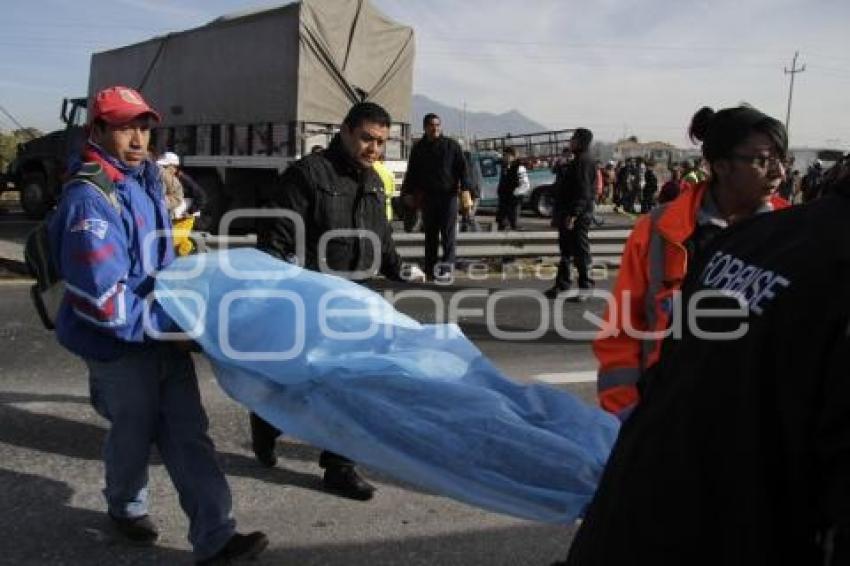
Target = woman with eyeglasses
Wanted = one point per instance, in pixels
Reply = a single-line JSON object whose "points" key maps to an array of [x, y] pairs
{"points": [[739, 451], [745, 150]]}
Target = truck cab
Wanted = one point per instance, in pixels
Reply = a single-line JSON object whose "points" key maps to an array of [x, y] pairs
{"points": [[40, 163]]}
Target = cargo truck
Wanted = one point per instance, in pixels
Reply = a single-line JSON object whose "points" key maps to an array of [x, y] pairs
{"points": [[246, 94], [39, 165]]}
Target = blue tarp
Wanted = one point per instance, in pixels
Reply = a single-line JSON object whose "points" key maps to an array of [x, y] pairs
{"points": [[335, 365]]}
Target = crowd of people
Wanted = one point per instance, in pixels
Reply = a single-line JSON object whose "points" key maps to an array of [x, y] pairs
{"points": [[731, 452], [633, 185]]}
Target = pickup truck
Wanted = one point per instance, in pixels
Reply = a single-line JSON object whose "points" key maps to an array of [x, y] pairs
{"points": [[485, 168]]}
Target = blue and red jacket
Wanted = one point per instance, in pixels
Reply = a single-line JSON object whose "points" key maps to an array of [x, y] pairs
{"points": [[107, 256]]}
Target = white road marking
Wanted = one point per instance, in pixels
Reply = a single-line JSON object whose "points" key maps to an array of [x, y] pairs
{"points": [[566, 377]]}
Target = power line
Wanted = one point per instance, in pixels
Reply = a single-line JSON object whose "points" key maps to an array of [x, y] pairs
{"points": [[3, 122], [80, 25], [596, 45], [10, 117]]}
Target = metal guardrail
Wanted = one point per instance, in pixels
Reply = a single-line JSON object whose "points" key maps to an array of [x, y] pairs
{"points": [[606, 246]]}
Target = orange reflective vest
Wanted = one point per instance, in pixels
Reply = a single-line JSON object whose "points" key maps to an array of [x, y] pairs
{"points": [[652, 270]]}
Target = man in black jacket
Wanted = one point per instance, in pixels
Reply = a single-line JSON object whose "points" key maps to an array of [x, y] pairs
{"points": [[514, 177], [437, 172], [572, 215], [739, 452], [337, 189]]}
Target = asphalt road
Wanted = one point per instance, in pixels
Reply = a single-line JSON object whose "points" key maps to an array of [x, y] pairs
{"points": [[51, 507]]}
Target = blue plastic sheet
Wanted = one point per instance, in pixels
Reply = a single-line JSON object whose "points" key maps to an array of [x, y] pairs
{"points": [[334, 364]]}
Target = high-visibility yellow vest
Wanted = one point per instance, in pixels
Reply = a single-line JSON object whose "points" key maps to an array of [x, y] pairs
{"points": [[389, 185]]}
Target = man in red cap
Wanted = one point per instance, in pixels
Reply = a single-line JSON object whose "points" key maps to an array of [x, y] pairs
{"points": [[109, 235]]}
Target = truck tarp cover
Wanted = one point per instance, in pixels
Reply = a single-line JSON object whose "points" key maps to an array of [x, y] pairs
{"points": [[303, 62]]}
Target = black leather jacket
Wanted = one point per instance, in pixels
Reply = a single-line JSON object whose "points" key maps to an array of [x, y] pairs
{"points": [[436, 166], [331, 191], [575, 192]]}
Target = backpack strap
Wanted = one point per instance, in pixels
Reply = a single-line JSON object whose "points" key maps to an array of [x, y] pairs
{"points": [[92, 174]]}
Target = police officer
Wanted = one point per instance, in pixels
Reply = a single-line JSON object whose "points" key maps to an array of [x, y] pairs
{"points": [[333, 190], [574, 198], [102, 242]]}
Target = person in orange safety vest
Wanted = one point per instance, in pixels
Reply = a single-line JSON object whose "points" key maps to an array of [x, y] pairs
{"points": [[745, 150]]}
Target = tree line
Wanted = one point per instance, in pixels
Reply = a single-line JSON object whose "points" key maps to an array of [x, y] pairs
{"points": [[9, 143]]}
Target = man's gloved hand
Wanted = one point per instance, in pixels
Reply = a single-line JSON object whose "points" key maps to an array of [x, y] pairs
{"points": [[412, 273]]}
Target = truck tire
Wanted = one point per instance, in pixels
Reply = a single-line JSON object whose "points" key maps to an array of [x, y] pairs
{"points": [[542, 201], [35, 197]]}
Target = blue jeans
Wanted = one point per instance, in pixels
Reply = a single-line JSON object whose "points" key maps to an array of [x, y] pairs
{"points": [[151, 396]]}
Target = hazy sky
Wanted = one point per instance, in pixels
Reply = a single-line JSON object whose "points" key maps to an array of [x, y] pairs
{"points": [[618, 67]]}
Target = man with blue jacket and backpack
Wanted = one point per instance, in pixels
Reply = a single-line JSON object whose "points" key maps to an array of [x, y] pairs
{"points": [[108, 238]]}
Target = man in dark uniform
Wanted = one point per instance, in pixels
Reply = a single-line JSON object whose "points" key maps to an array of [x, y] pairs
{"points": [[337, 189], [739, 452], [650, 188], [437, 172], [811, 182], [513, 178], [574, 198]]}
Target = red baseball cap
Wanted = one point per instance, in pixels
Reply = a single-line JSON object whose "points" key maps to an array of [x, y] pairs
{"points": [[119, 105]]}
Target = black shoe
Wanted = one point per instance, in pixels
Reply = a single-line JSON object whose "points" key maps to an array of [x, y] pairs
{"points": [[240, 548], [553, 292], [266, 457], [345, 481], [580, 297], [138, 530], [263, 436]]}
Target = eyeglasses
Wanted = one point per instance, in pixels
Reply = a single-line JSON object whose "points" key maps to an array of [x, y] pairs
{"points": [[760, 161]]}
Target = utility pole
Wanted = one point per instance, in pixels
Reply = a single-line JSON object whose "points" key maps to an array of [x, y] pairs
{"points": [[465, 133], [794, 70]]}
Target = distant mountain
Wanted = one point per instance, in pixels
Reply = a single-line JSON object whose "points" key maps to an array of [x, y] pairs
{"points": [[479, 124]]}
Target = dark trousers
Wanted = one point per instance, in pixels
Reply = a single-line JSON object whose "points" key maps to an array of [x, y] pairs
{"points": [[575, 246], [264, 434], [507, 215], [647, 200], [439, 220], [630, 198]]}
